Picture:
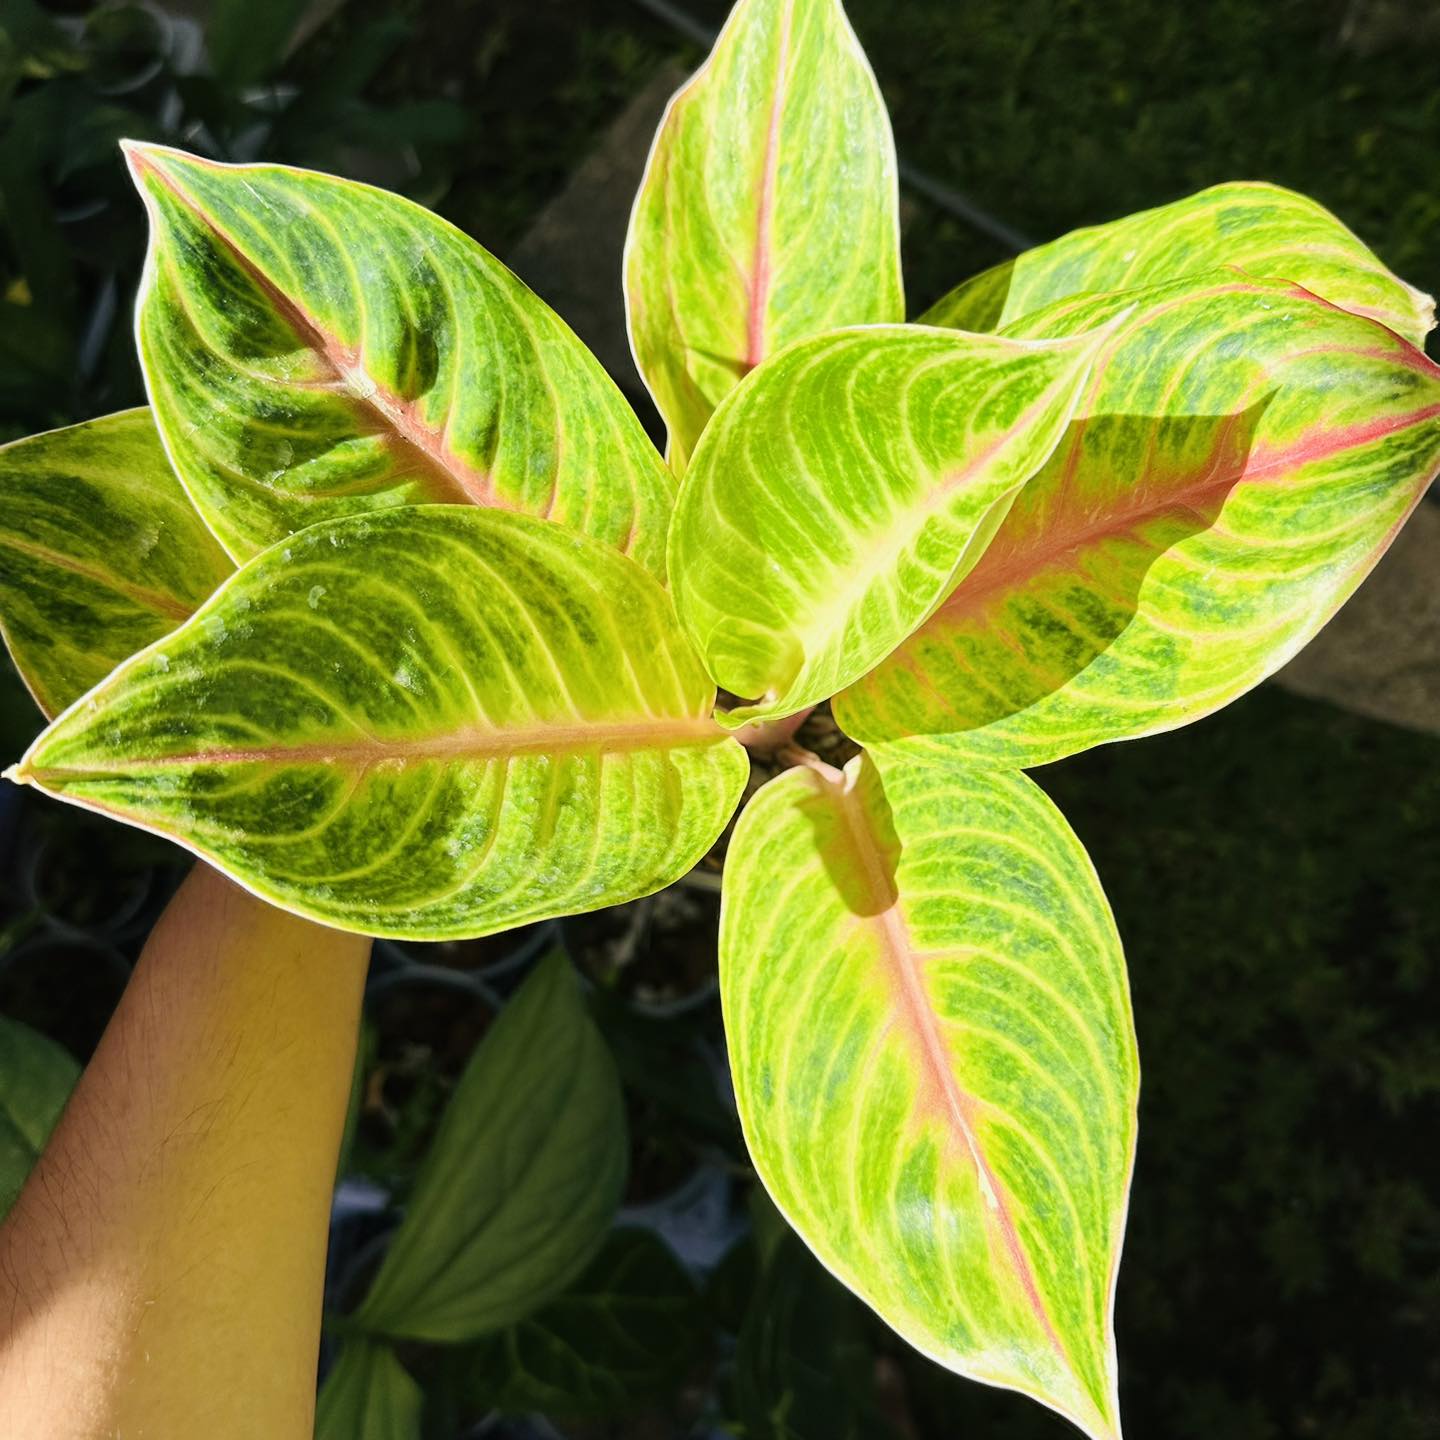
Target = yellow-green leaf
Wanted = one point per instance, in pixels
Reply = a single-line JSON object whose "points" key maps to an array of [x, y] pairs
{"points": [[520, 1187], [929, 1028], [1263, 229], [369, 1395], [433, 721], [1244, 455], [842, 490], [315, 348], [768, 211], [101, 552]]}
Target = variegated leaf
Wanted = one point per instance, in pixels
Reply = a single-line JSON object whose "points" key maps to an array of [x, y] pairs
{"points": [[1244, 455], [929, 1029], [315, 348], [101, 552], [435, 721], [768, 211], [840, 493], [1262, 229]]}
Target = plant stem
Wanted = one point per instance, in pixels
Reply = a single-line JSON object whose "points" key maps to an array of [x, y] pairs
{"points": [[769, 737], [793, 754]]}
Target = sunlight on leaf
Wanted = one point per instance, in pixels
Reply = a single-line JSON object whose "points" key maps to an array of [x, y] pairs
{"points": [[436, 721], [101, 552], [768, 211], [1244, 455], [844, 488], [1263, 230], [930, 1033], [315, 347]]}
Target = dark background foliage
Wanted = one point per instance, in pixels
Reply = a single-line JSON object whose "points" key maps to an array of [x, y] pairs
{"points": [[1273, 870]]}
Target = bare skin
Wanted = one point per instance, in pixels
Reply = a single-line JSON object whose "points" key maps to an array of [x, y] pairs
{"points": [[161, 1272]]}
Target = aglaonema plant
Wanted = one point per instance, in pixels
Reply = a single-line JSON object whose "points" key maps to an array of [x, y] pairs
{"points": [[465, 674]]}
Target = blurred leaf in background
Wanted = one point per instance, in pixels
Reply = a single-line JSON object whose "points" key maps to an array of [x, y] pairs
{"points": [[621, 1335], [368, 1395], [36, 1078], [522, 1181]]}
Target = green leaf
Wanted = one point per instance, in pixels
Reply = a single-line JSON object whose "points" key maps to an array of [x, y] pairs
{"points": [[316, 348], [522, 1181], [930, 1033], [434, 721], [768, 211], [368, 1395], [624, 1333], [804, 1368], [247, 42], [100, 552], [841, 492], [1263, 229], [1245, 455], [36, 1078]]}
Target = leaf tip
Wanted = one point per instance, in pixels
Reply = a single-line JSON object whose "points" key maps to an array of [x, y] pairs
{"points": [[151, 164], [139, 157]]}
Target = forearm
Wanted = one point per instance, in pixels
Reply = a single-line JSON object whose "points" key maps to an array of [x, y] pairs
{"points": [[161, 1272]]}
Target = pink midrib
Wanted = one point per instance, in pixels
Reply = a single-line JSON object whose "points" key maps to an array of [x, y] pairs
{"points": [[999, 569], [761, 263], [155, 601], [464, 744], [919, 1016], [399, 416]]}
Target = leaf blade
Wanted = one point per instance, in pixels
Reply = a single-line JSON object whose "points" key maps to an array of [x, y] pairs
{"points": [[36, 1077], [368, 1395], [101, 552], [1246, 456], [434, 721], [843, 489], [314, 347], [1263, 229], [747, 233], [945, 1108], [626, 1330], [519, 1189]]}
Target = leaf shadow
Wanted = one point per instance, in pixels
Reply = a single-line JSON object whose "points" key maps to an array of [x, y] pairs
{"points": [[1051, 643], [855, 836]]}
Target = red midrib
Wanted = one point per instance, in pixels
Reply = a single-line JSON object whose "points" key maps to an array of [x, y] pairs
{"points": [[1000, 568], [470, 743], [399, 416], [760, 269], [919, 1016]]}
